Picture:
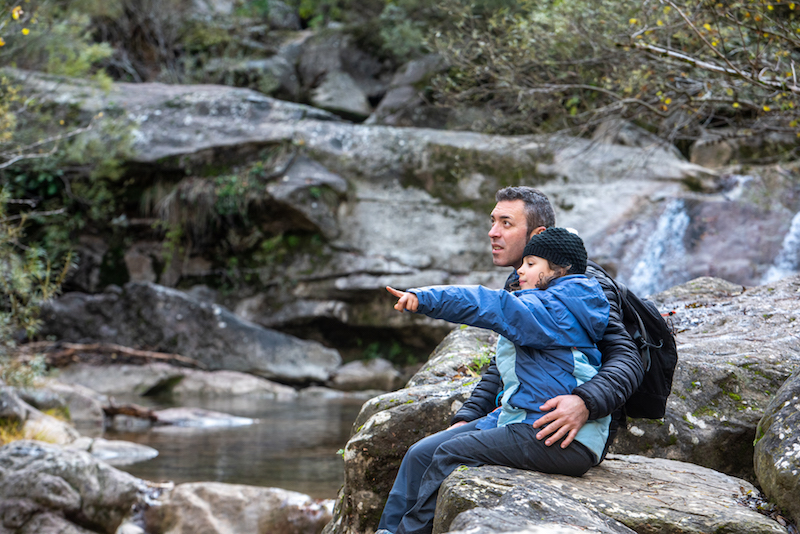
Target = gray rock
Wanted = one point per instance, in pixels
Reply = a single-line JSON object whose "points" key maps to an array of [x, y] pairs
{"points": [[282, 16], [114, 452], [215, 508], [388, 424], [736, 347], [340, 94], [623, 494], [83, 404], [179, 382], [777, 450], [171, 321], [370, 374], [41, 485], [32, 423], [401, 182]]}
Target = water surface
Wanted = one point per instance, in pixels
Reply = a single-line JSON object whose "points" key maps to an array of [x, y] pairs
{"points": [[292, 445]]}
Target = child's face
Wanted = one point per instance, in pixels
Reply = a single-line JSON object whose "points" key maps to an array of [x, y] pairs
{"points": [[532, 270]]}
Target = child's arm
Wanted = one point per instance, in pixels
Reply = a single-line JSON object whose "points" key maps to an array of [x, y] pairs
{"points": [[408, 301]]}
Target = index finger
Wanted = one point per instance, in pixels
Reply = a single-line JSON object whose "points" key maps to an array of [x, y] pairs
{"points": [[395, 292]]}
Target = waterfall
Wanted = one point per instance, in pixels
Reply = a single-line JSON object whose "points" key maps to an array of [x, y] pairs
{"points": [[664, 245], [787, 261]]}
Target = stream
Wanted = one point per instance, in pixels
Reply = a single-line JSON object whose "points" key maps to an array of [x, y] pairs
{"points": [[292, 445]]}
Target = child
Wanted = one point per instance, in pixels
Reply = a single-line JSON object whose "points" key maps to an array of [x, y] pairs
{"points": [[546, 348]]}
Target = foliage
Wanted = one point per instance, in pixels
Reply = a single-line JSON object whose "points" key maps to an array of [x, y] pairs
{"points": [[677, 68], [27, 280]]}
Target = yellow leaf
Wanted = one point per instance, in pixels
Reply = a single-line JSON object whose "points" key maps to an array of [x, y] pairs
{"points": [[791, 6], [61, 122], [713, 43], [667, 9], [770, 7], [17, 12], [633, 21], [660, 22], [2, 42], [668, 101], [736, 104], [766, 108], [25, 31], [707, 26]]}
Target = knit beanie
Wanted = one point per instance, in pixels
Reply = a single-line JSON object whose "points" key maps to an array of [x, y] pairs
{"points": [[561, 247]]}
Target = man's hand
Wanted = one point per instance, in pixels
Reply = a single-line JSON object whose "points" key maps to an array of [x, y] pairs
{"points": [[456, 424], [566, 414], [408, 301]]}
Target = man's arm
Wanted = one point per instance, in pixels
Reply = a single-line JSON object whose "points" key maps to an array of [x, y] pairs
{"points": [[483, 398], [620, 375]]}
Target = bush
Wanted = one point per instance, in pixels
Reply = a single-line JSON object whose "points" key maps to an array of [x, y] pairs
{"points": [[677, 68]]}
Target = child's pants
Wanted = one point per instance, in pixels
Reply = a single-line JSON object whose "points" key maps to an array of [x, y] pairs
{"points": [[411, 505]]}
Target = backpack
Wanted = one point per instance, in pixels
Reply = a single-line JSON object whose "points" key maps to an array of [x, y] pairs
{"points": [[656, 343]]}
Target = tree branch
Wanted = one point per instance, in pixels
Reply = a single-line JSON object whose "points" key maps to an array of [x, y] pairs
{"points": [[705, 65]]}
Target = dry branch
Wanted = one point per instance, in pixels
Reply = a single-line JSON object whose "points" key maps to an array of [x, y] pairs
{"points": [[61, 353]]}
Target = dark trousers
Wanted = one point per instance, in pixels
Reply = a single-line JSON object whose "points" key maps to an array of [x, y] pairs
{"points": [[411, 506]]}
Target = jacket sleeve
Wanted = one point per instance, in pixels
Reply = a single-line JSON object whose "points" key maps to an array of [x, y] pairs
{"points": [[527, 323], [622, 369], [483, 398]]}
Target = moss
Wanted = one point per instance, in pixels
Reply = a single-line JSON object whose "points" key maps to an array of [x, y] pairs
{"points": [[448, 165]]}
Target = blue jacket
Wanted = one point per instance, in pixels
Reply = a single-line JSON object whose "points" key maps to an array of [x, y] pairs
{"points": [[547, 346]]}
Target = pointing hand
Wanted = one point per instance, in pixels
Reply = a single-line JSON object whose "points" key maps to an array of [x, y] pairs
{"points": [[407, 301]]}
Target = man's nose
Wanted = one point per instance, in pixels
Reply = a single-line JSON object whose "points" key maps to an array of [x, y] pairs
{"points": [[493, 231]]}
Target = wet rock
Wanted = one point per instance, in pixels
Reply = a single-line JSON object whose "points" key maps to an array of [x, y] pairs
{"points": [[214, 508], [199, 418], [114, 452], [44, 487], [148, 315], [624, 494], [376, 373], [736, 347], [777, 450]]}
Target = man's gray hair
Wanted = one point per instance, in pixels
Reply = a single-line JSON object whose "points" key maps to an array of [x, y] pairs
{"points": [[538, 210]]}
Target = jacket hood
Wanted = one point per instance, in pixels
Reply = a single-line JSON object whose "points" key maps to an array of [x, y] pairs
{"points": [[585, 299]]}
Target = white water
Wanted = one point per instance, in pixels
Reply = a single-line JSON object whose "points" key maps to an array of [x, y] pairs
{"points": [[664, 246], [787, 262]]}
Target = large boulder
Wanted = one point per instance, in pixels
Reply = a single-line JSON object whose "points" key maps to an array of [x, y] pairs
{"points": [[654, 217], [736, 347], [388, 424], [215, 508], [42, 485], [777, 455], [148, 315], [625, 494]]}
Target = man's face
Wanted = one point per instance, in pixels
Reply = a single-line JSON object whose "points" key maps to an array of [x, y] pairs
{"points": [[509, 233]]}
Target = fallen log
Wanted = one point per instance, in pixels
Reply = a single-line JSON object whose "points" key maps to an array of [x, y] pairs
{"points": [[131, 410], [60, 353]]}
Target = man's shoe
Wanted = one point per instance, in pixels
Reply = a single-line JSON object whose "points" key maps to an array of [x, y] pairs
{"points": [[382, 531]]}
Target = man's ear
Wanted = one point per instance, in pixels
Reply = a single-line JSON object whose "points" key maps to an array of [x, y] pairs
{"points": [[536, 231]]}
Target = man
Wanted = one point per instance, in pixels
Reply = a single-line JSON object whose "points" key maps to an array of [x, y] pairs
{"points": [[520, 213]]}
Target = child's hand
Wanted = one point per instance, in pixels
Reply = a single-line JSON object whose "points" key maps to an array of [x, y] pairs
{"points": [[408, 301]]}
